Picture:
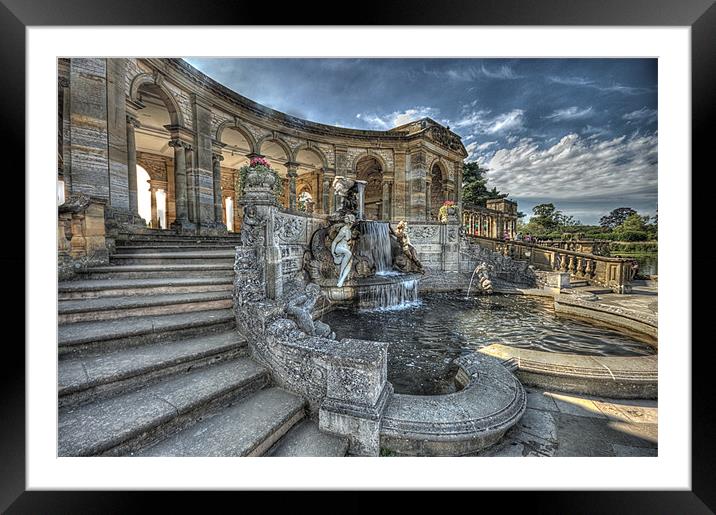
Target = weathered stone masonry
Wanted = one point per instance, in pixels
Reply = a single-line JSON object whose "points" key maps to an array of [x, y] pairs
{"points": [[118, 113]]}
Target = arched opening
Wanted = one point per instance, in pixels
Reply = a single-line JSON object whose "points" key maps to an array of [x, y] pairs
{"points": [[369, 169], [236, 147], [144, 196], [229, 214], [161, 197], [437, 193], [309, 180], [157, 157], [305, 201]]}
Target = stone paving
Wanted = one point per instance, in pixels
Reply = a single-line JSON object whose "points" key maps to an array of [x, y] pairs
{"points": [[642, 298], [560, 424]]}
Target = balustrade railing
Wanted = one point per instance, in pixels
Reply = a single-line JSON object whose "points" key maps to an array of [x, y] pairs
{"points": [[597, 247], [613, 273]]}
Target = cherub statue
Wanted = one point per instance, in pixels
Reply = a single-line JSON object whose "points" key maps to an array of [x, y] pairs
{"points": [[341, 250]]}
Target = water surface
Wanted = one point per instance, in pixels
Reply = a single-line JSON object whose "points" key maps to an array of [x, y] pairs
{"points": [[428, 335]]}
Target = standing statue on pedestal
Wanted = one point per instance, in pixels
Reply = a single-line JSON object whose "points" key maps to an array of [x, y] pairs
{"points": [[344, 189], [401, 234], [341, 250]]}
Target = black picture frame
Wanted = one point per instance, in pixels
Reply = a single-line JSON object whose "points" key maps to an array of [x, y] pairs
{"points": [[17, 15]]}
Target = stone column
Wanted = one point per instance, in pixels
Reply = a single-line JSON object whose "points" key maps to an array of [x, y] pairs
{"points": [[428, 200], [216, 166], [360, 186], [191, 186], [182, 215], [292, 175], [328, 175], [387, 200], [132, 123], [154, 224]]}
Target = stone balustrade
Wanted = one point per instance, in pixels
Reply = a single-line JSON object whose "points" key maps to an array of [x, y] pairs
{"points": [[613, 273], [597, 247], [80, 234]]}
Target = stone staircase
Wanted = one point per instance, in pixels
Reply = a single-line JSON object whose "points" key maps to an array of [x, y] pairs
{"points": [[150, 362]]}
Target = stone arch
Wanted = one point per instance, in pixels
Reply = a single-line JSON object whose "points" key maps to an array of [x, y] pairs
{"points": [[310, 148], [156, 84], [438, 161], [275, 139], [238, 127], [438, 186], [374, 155]]}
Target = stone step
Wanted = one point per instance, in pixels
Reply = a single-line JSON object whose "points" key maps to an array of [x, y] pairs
{"points": [[112, 308], [99, 288], [306, 440], [575, 283], [143, 239], [125, 423], [157, 271], [248, 428], [93, 377], [84, 337], [213, 257], [155, 249]]}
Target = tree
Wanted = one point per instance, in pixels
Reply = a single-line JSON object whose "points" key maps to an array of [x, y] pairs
{"points": [[545, 217], [616, 217], [474, 185], [634, 228]]}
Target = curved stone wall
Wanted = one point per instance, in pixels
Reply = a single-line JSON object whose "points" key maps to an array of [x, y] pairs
{"points": [[125, 108]]}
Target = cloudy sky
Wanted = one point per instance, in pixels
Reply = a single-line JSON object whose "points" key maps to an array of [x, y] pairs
{"points": [[581, 133]]}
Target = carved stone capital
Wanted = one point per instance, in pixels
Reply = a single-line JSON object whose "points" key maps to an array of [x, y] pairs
{"points": [[178, 143], [133, 121]]}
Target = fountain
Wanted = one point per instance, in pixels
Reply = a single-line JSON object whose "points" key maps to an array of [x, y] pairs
{"points": [[363, 261]]}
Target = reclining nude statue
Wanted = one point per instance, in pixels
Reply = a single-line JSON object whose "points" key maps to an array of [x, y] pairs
{"points": [[341, 250], [299, 309]]}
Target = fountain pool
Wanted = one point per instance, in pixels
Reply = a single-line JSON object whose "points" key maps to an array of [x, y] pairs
{"points": [[426, 336]]}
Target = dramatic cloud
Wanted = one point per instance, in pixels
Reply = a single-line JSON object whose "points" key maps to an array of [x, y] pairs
{"points": [[607, 88], [570, 113], [577, 168], [512, 114], [481, 122], [471, 73], [396, 118], [641, 115]]}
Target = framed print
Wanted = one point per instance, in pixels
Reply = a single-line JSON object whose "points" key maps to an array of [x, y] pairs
{"points": [[409, 255]]}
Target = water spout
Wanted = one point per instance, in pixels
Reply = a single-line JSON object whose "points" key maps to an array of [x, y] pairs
{"points": [[374, 241], [471, 278]]}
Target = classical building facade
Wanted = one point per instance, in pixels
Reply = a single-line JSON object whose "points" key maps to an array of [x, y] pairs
{"points": [[497, 220], [188, 136]]}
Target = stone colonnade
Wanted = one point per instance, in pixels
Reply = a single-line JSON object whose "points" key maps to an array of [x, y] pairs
{"points": [[110, 107], [497, 221]]}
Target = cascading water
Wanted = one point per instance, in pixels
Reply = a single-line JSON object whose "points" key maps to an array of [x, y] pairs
{"points": [[397, 292], [374, 241]]}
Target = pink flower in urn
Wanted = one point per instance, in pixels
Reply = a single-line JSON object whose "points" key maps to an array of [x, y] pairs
{"points": [[259, 161]]}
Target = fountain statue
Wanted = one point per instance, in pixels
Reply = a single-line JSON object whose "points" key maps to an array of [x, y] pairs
{"points": [[341, 250], [364, 260]]}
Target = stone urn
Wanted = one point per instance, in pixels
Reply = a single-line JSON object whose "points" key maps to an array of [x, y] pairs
{"points": [[260, 178]]}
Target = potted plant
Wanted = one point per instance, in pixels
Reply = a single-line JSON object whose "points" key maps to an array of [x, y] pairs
{"points": [[447, 211]]}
